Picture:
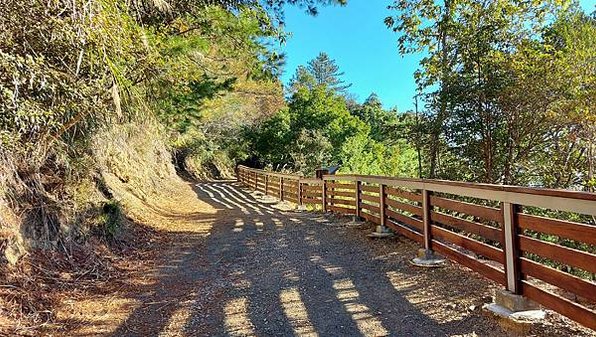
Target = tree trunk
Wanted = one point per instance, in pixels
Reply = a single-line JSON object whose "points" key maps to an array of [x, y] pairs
{"points": [[442, 115]]}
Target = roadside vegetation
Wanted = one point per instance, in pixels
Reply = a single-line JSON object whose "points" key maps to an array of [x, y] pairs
{"points": [[100, 102]]}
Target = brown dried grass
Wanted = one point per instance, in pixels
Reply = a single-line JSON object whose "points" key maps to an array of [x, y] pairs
{"points": [[78, 282]]}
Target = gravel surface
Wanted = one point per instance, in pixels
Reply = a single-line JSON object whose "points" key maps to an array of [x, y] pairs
{"points": [[264, 270]]}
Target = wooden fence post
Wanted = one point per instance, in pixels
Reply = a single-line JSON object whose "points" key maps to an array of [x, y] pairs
{"points": [[382, 204], [299, 192], [324, 196], [281, 188], [426, 221], [357, 196], [511, 249]]}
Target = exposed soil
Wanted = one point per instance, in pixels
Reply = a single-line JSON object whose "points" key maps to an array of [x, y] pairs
{"points": [[237, 264]]}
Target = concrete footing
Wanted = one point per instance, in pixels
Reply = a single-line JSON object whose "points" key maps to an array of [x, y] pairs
{"points": [[381, 232], [268, 199], [514, 312], [301, 208], [514, 302], [428, 259]]}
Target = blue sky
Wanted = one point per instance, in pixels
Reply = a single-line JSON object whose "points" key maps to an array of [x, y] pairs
{"points": [[356, 37]]}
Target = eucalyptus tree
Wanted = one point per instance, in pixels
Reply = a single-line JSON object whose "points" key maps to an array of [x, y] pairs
{"points": [[426, 27]]}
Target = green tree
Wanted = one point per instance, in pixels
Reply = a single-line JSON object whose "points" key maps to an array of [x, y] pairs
{"points": [[323, 109], [318, 124], [570, 83], [270, 140], [326, 72], [310, 150], [363, 155], [468, 67], [302, 79], [386, 126]]}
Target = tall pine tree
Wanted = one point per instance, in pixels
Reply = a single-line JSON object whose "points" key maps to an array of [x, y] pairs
{"points": [[326, 72]]}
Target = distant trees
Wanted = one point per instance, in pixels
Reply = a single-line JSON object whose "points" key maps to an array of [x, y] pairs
{"points": [[318, 120], [325, 127], [386, 125]]}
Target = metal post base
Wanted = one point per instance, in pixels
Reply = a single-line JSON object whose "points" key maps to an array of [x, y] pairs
{"points": [[428, 259], [381, 232]]}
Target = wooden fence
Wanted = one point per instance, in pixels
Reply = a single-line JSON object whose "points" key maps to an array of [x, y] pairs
{"points": [[488, 228]]}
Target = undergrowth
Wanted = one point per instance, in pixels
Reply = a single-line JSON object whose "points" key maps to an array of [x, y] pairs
{"points": [[64, 218]]}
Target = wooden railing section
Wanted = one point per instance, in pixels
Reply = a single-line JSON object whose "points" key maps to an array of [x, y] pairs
{"points": [[487, 228]]}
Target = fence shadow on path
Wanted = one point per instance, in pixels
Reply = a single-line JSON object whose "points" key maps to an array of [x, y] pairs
{"points": [[263, 271]]}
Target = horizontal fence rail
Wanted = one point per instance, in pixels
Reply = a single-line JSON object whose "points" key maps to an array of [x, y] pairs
{"points": [[509, 234]]}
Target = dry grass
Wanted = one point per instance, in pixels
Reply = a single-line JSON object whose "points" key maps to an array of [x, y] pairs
{"points": [[77, 287], [168, 219], [139, 172]]}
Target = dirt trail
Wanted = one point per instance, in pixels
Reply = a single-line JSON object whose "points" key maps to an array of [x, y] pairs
{"points": [[260, 270]]}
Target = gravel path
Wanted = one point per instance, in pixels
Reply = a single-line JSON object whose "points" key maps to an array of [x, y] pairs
{"points": [[266, 271]]}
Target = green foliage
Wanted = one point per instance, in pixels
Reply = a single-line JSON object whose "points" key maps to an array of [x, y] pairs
{"points": [[318, 129], [216, 79], [321, 108], [112, 219], [363, 155], [302, 78], [271, 140], [504, 101], [386, 125], [310, 150], [320, 71]]}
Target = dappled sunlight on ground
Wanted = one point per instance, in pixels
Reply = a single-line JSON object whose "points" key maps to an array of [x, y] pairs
{"points": [[97, 316], [436, 298], [349, 296], [179, 317], [426, 298], [296, 312], [239, 264], [237, 322]]}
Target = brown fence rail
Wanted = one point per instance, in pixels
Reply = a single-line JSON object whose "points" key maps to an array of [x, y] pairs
{"points": [[488, 228]]}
